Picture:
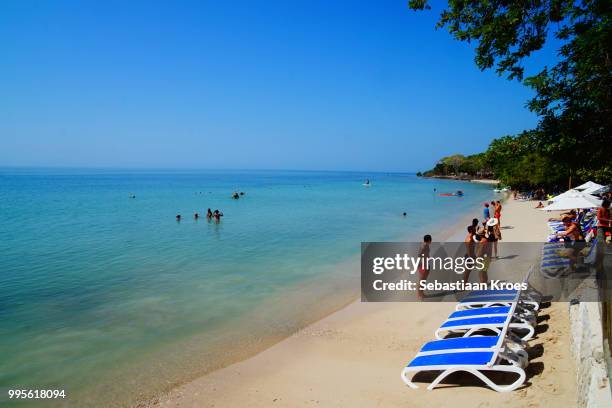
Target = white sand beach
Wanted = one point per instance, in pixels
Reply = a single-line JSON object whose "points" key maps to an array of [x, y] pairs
{"points": [[485, 181], [353, 358]]}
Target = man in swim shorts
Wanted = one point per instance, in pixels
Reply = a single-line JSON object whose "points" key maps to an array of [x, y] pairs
{"points": [[423, 271]]}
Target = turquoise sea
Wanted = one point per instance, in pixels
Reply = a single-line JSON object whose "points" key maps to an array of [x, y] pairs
{"points": [[111, 299]]}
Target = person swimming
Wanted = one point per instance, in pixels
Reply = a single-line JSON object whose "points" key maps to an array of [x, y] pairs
{"points": [[196, 216], [178, 217], [235, 195]]}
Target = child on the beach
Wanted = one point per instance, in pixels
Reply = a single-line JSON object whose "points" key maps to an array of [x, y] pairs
{"points": [[486, 212]]}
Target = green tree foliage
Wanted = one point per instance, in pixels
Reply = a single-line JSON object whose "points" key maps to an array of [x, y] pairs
{"points": [[459, 165], [517, 162], [572, 98]]}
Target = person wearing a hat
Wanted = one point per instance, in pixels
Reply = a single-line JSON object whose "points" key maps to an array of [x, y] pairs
{"points": [[492, 225]]}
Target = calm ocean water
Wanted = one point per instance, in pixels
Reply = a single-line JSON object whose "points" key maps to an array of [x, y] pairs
{"points": [[113, 300]]}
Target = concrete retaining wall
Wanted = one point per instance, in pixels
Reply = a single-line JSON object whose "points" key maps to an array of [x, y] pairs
{"points": [[593, 384]]}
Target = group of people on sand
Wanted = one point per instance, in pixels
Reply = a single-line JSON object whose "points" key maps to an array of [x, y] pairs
{"points": [[539, 194], [480, 242], [210, 215], [490, 229], [482, 238]]}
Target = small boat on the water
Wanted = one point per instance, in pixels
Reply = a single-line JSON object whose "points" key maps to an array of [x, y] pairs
{"points": [[458, 193]]}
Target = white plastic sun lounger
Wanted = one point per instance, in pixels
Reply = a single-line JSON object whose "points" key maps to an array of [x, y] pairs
{"points": [[502, 297], [474, 355], [490, 300], [473, 321], [526, 296], [526, 314]]}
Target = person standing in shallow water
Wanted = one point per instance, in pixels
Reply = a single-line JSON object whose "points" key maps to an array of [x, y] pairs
{"points": [[217, 215]]}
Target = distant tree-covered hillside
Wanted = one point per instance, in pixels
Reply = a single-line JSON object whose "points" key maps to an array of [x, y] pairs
{"points": [[573, 98]]}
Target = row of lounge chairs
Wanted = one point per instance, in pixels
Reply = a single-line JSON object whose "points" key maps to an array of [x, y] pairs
{"points": [[494, 326], [555, 263], [586, 220]]}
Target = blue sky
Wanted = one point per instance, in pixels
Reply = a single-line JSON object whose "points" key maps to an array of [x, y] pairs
{"points": [[332, 85]]}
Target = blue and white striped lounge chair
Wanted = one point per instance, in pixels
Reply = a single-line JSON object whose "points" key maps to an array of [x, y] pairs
{"points": [[473, 321], [552, 246], [526, 294], [475, 355], [553, 263], [583, 226], [552, 254], [497, 299]]}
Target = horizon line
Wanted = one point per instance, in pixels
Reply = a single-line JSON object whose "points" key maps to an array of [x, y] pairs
{"points": [[177, 169]]}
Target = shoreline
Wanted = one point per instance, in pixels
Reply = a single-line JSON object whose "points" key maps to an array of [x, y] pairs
{"points": [[467, 180], [363, 346], [485, 181], [145, 340], [342, 299], [440, 229]]}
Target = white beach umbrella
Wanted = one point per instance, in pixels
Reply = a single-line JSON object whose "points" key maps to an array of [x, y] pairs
{"points": [[602, 190], [589, 187], [571, 201], [568, 193], [593, 190]]}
